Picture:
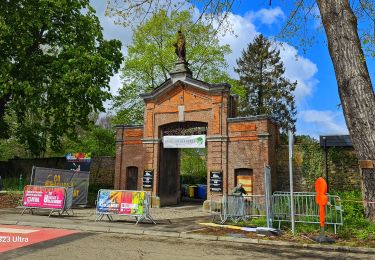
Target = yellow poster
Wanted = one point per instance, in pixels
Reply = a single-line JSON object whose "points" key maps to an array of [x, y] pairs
{"points": [[247, 182]]}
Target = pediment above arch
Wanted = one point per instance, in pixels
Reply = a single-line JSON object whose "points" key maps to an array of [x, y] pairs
{"points": [[191, 86]]}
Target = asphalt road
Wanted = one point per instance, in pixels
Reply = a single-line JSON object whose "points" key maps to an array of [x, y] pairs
{"points": [[118, 246]]}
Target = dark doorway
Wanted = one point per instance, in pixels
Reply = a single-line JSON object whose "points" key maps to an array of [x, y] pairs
{"points": [[131, 178], [169, 177]]}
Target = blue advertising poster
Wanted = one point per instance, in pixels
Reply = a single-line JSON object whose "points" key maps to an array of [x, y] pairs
{"points": [[104, 200]]}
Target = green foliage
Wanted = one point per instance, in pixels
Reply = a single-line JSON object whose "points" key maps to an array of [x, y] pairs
{"points": [[356, 226], [342, 164], [268, 92], [254, 222], [10, 148], [355, 223], [312, 160], [10, 184], [193, 166], [97, 140], [151, 57], [55, 69]]}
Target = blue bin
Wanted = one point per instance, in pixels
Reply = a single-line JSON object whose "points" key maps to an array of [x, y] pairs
{"points": [[202, 191]]}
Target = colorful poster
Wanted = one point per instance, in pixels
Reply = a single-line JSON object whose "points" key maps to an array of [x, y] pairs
{"points": [[121, 202], [109, 201], [126, 202], [115, 201], [78, 162], [43, 197]]}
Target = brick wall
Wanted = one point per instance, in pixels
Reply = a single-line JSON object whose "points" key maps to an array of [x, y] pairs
{"points": [[129, 153], [251, 145]]}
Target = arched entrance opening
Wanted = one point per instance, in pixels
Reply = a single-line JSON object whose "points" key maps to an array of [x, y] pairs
{"points": [[177, 138]]}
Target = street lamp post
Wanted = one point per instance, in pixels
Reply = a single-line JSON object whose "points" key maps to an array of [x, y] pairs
{"points": [[326, 160]]}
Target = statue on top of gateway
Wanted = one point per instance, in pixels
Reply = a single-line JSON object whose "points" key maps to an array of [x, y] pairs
{"points": [[180, 46]]}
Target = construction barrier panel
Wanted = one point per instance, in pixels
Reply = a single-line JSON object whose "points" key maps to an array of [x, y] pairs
{"points": [[56, 199], [305, 208], [124, 202], [236, 208]]}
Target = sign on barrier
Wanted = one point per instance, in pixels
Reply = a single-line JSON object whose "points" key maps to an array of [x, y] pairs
{"points": [[57, 199], [124, 202], [43, 197]]}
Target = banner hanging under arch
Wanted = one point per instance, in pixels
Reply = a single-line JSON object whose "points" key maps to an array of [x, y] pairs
{"points": [[184, 141]]}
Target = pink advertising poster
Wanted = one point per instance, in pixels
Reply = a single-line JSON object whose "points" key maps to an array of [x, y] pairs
{"points": [[43, 197], [126, 202]]}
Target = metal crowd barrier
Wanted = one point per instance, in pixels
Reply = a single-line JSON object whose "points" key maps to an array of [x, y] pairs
{"points": [[124, 203], [306, 210], [34, 198], [237, 208]]}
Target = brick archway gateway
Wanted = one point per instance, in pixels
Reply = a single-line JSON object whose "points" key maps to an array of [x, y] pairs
{"points": [[182, 103]]}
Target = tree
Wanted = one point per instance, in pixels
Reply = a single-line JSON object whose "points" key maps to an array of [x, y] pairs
{"points": [[97, 140], [355, 87], [55, 69], [267, 91], [132, 12], [193, 162], [151, 56]]}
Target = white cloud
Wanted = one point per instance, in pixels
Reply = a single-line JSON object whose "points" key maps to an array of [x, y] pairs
{"points": [[326, 122], [300, 69], [267, 16], [244, 32]]}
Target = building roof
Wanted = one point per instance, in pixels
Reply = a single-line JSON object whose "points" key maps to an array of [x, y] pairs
{"points": [[181, 75], [335, 141]]}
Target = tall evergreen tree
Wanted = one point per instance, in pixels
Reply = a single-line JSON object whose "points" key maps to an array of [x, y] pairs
{"points": [[267, 91]]}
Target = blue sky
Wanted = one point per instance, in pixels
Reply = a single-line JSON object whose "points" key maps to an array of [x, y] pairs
{"points": [[316, 94]]}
